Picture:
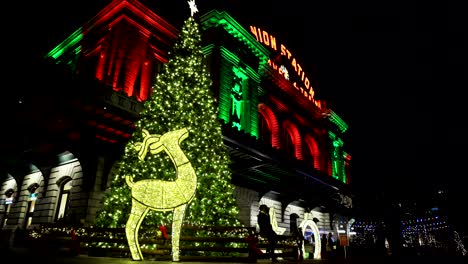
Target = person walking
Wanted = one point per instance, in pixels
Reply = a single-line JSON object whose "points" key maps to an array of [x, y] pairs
{"points": [[323, 244], [74, 244], [330, 245], [299, 238], [266, 230], [252, 240]]}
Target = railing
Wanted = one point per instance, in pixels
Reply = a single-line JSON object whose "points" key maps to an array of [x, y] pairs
{"points": [[207, 243]]}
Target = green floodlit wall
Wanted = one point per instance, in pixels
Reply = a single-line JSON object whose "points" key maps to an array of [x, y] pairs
{"points": [[232, 64], [337, 158], [251, 82], [338, 155]]}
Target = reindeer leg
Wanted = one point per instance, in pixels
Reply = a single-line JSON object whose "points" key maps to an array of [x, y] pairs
{"points": [[177, 218], [137, 214]]}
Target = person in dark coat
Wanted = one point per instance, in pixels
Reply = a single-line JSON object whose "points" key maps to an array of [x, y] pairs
{"points": [[266, 230], [330, 245], [323, 245]]}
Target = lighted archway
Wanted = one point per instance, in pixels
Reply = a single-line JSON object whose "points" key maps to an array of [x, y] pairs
{"points": [[272, 123], [308, 222], [296, 138]]}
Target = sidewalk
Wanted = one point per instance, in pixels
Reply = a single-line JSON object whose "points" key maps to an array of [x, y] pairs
{"points": [[21, 255]]}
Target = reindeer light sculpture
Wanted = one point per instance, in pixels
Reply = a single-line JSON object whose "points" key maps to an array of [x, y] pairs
{"points": [[159, 195]]}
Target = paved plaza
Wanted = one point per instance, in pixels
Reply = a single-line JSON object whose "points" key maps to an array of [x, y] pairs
{"points": [[21, 255]]}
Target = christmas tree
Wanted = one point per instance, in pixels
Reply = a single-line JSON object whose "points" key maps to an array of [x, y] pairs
{"points": [[182, 99]]}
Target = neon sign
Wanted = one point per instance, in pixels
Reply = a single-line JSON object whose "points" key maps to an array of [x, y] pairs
{"points": [[305, 88]]}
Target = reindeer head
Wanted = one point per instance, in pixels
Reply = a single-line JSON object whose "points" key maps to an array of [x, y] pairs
{"points": [[155, 143], [148, 142]]}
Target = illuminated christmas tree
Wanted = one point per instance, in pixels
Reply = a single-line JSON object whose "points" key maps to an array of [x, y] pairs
{"points": [[182, 99]]}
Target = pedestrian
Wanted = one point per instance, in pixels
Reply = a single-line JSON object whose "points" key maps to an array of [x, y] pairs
{"points": [[330, 245], [75, 244], [252, 240], [266, 230], [323, 245], [299, 238], [380, 237]]}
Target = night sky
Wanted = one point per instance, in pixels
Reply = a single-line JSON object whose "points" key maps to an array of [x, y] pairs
{"points": [[395, 74]]}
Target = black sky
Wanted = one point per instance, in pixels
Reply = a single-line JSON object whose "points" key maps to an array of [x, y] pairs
{"points": [[395, 74]]}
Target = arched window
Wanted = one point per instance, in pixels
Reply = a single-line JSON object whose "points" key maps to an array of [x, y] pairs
{"points": [[287, 144], [270, 125], [31, 204], [291, 140], [293, 223], [63, 199], [9, 197], [308, 156], [265, 133], [311, 152]]}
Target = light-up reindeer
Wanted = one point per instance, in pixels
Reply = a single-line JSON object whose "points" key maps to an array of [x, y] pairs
{"points": [[159, 195]]}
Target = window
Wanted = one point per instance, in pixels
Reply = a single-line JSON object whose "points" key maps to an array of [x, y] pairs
{"points": [[293, 223], [63, 199], [308, 155], [265, 133], [31, 204], [9, 197], [287, 143]]}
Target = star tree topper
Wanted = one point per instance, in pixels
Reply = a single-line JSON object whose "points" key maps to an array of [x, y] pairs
{"points": [[193, 7]]}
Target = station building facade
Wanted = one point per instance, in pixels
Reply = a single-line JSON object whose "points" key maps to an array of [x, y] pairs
{"points": [[286, 147]]}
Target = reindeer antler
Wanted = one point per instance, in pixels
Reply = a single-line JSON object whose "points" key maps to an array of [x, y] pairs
{"points": [[148, 139], [139, 145]]}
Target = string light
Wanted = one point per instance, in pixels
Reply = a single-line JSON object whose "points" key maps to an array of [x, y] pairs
{"points": [[181, 98]]}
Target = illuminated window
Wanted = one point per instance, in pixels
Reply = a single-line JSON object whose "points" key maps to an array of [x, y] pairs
{"points": [[9, 197], [238, 90], [269, 125], [63, 199], [293, 222], [311, 152], [265, 133], [287, 144], [31, 204], [237, 103], [308, 155], [337, 160]]}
